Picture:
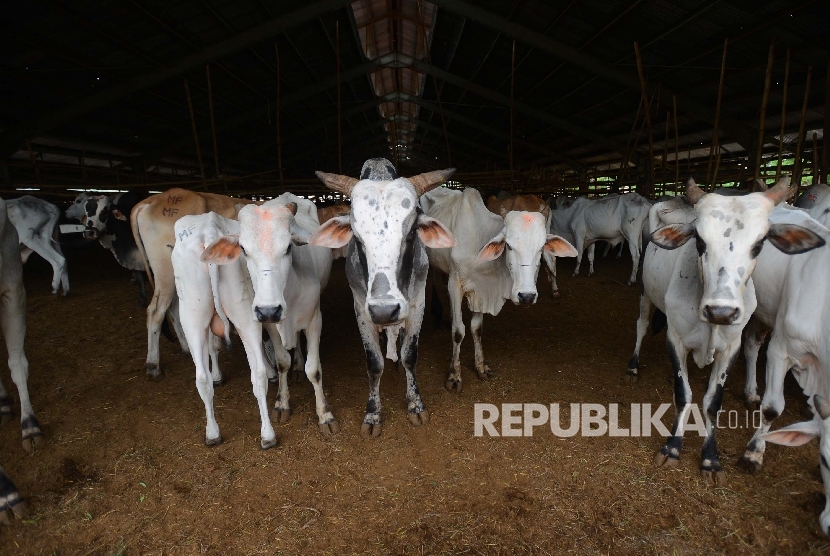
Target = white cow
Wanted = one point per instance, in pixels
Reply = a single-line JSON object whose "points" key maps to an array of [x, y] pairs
{"points": [[613, 218], [705, 291], [13, 325], [496, 259], [278, 280], [387, 269], [36, 223]]}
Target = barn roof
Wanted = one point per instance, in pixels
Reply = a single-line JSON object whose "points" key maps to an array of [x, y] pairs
{"points": [[96, 91]]}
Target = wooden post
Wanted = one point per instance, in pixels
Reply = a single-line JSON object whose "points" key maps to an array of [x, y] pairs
{"points": [[212, 122], [665, 150], [512, 80], [714, 146], [676, 147], [717, 166], [764, 100], [277, 115], [650, 183], [195, 134], [798, 165], [815, 158], [339, 130], [783, 117], [32, 158]]}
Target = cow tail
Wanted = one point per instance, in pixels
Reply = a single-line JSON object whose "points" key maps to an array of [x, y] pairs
{"points": [[134, 214], [213, 271]]}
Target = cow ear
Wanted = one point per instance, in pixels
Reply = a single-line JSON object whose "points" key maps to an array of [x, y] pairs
{"points": [[559, 247], [793, 239], [492, 250], [336, 232], [292, 208], [237, 207], [794, 435], [299, 235], [118, 214], [673, 236], [434, 234], [224, 250]]}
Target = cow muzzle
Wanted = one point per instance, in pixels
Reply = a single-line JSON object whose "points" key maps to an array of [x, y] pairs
{"points": [[721, 314], [385, 313], [90, 233], [268, 313], [526, 298]]}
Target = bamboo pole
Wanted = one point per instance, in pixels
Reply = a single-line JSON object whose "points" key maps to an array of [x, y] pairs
{"points": [[665, 150], [195, 134], [650, 183], [764, 100], [339, 125], [815, 158], [627, 154], [212, 122], [512, 81], [798, 164], [717, 167], [32, 158], [783, 117], [713, 148], [676, 146], [277, 114]]}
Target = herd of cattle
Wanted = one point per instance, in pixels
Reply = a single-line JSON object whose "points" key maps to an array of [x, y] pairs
{"points": [[217, 263]]}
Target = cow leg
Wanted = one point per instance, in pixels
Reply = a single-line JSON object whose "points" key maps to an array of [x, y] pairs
{"points": [[710, 467], [156, 312], [607, 249], [580, 247], [298, 363], [754, 335], [634, 249], [204, 383], [5, 405], [55, 259], [772, 405], [633, 371], [13, 323], [550, 270], [282, 408], [25, 253], [270, 357], [591, 251], [372, 426], [669, 455], [175, 320], [10, 500], [416, 410], [456, 295], [251, 334], [215, 371], [476, 326], [314, 371]]}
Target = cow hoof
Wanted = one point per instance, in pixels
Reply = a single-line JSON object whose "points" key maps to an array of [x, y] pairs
{"points": [[454, 384], [330, 428], [631, 376], [266, 444], [556, 295], [666, 460], [369, 430], [418, 419], [752, 403], [32, 442], [211, 442], [485, 373], [751, 464], [154, 374], [282, 415], [218, 383], [18, 510], [713, 477]]}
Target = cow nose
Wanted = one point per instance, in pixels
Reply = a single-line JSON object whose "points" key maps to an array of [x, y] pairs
{"points": [[386, 313], [268, 314], [719, 314], [526, 298], [90, 233]]}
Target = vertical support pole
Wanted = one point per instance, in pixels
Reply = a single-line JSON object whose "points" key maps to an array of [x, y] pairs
{"points": [[676, 146], [195, 135], [650, 168], [815, 158], [512, 110], [783, 117], [798, 164], [665, 151], [714, 147], [339, 130], [34, 162], [717, 167], [277, 114], [764, 100], [212, 122]]}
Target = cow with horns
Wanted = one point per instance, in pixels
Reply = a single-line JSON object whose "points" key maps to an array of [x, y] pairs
{"points": [[387, 234], [705, 291]]}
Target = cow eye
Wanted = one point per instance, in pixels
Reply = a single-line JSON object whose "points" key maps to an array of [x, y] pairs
{"points": [[756, 249], [700, 244], [288, 251], [507, 245]]}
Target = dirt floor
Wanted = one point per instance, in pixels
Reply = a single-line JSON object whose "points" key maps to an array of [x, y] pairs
{"points": [[124, 469]]}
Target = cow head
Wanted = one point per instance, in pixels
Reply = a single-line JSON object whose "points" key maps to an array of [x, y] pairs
{"points": [[729, 233], [387, 225], [802, 433], [267, 234], [521, 243]]}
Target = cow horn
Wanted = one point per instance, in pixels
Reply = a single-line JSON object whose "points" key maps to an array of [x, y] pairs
{"points": [[430, 180], [822, 406], [780, 191], [761, 185], [343, 184], [693, 192]]}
